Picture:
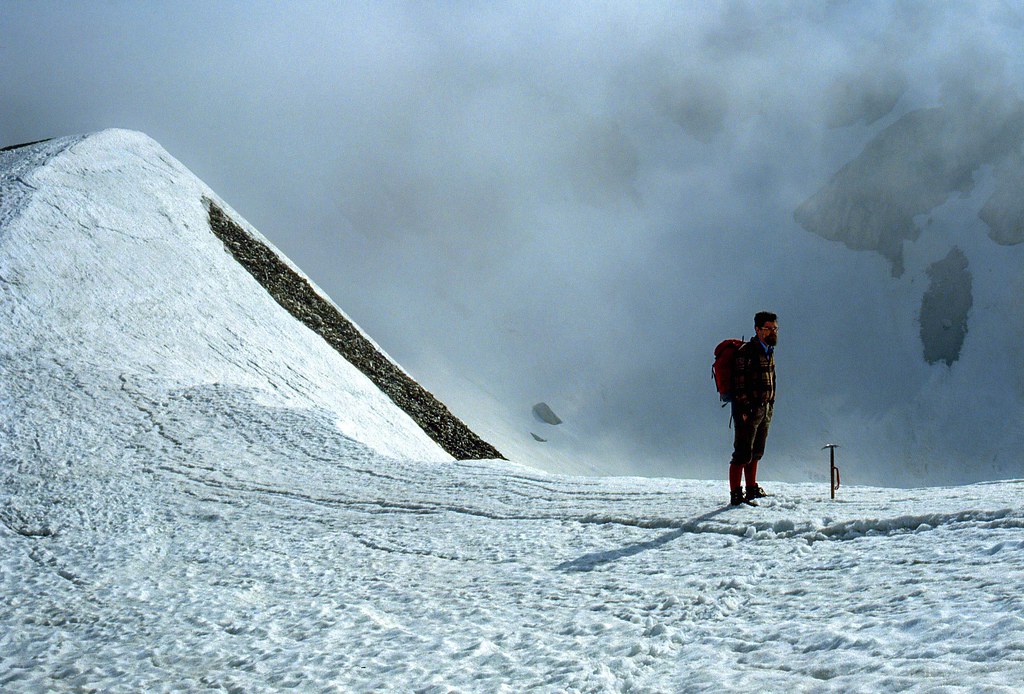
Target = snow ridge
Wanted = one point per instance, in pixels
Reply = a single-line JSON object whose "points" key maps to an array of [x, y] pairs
{"points": [[107, 243]]}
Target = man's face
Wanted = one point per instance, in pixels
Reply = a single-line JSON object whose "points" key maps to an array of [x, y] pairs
{"points": [[769, 333]]}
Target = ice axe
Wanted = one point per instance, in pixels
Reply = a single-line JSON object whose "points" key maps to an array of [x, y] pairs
{"points": [[833, 470]]}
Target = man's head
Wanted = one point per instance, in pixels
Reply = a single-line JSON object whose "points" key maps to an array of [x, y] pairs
{"points": [[767, 326]]}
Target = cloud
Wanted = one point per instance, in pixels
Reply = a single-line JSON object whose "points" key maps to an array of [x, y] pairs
{"points": [[567, 202]]}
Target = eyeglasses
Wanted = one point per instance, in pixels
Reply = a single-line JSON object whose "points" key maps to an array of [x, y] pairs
{"points": [[771, 330]]}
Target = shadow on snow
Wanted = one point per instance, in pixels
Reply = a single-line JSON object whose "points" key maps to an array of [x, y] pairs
{"points": [[589, 562]]}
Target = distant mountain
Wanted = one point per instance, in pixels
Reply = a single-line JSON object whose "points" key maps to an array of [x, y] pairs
{"points": [[932, 354], [913, 166]]}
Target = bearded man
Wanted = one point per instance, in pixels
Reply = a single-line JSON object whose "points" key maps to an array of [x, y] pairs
{"points": [[753, 398]]}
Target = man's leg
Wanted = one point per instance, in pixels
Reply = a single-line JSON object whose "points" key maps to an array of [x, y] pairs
{"points": [[735, 477], [762, 419], [750, 473], [743, 444]]}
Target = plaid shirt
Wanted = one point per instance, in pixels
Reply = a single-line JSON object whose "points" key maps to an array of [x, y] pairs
{"points": [[753, 375]]}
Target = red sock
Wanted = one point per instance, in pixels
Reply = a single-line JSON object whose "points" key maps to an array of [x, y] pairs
{"points": [[750, 470], [735, 476]]}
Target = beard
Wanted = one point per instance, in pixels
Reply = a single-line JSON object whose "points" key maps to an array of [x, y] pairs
{"points": [[770, 339]]}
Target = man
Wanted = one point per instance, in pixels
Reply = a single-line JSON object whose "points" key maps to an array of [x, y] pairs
{"points": [[753, 398]]}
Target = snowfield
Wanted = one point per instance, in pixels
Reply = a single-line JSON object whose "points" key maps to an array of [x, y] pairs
{"points": [[244, 549], [196, 494]]}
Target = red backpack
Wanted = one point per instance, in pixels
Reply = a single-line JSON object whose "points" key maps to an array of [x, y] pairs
{"points": [[721, 369]]}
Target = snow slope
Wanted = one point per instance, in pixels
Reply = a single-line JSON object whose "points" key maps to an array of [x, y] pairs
{"points": [[195, 495], [108, 263]]}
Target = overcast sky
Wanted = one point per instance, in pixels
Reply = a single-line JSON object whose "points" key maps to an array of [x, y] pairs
{"points": [[562, 201]]}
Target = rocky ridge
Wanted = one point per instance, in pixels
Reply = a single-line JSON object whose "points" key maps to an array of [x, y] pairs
{"points": [[296, 295]]}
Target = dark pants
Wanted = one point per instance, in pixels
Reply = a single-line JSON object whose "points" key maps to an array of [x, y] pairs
{"points": [[751, 434]]}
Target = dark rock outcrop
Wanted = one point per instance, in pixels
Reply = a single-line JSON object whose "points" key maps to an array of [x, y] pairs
{"points": [[11, 148], [944, 308], [299, 298], [543, 412]]}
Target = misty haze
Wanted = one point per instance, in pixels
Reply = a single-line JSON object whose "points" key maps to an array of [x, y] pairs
{"points": [[573, 205]]}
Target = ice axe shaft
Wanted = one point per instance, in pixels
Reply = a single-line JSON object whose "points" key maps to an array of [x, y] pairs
{"points": [[833, 470]]}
